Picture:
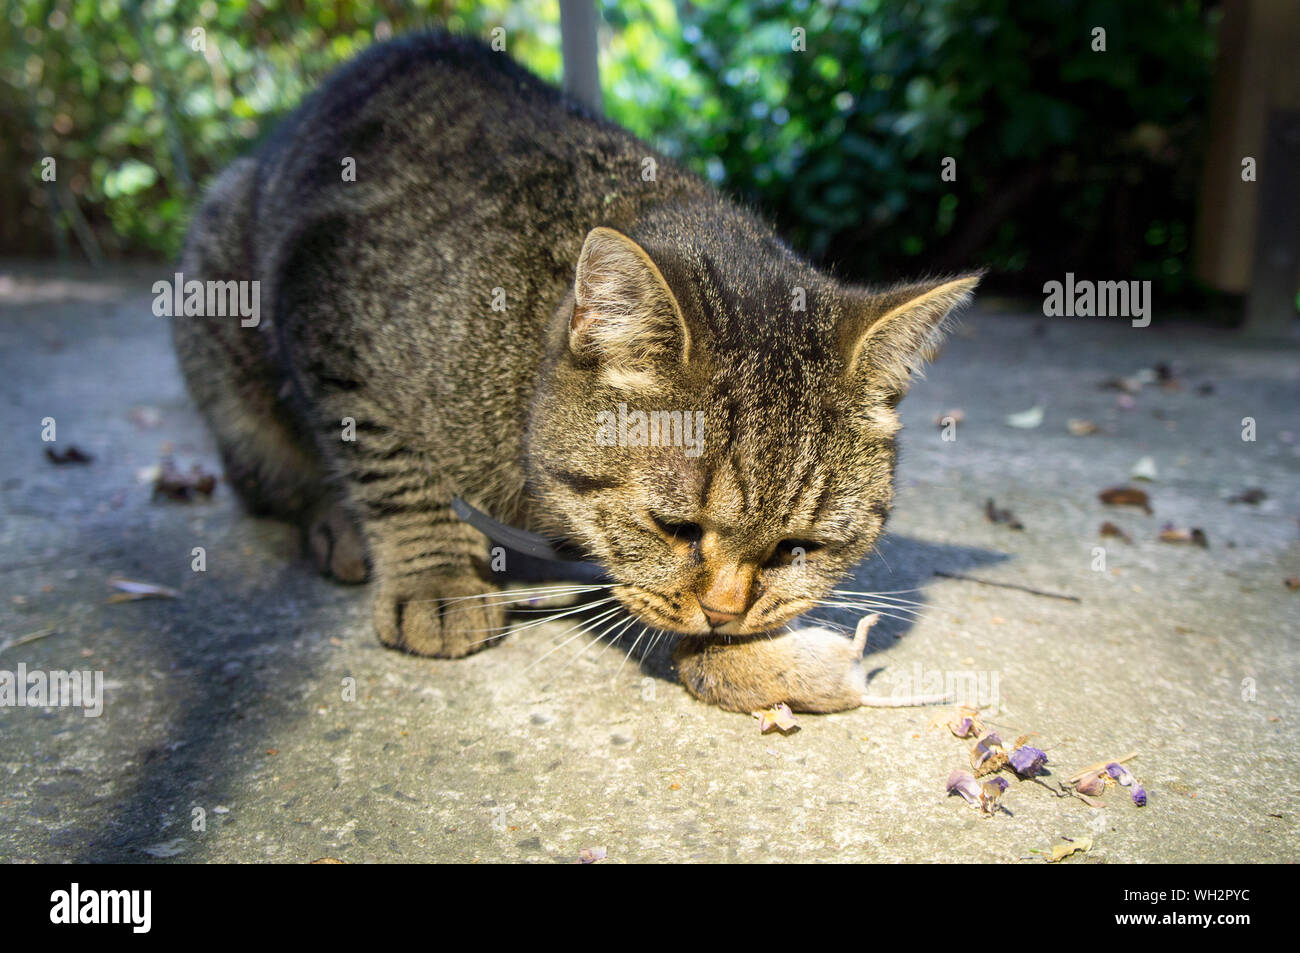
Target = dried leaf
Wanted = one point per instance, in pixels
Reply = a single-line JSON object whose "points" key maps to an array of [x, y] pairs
{"points": [[778, 717], [132, 590], [1079, 845], [1080, 427], [1091, 784], [1128, 385], [1110, 529], [1172, 534], [1088, 799], [1144, 469], [1293, 582], [146, 418], [995, 515], [1026, 419], [71, 455], [175, 485], [1126, 496]]}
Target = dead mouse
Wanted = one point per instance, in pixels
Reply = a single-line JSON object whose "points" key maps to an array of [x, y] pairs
{"points": [[811, 670]]}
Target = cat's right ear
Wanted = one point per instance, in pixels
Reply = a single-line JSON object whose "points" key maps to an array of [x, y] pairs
{"points": [[624, 313]]}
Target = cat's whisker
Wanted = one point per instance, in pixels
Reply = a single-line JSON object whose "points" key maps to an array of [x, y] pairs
{"points": [[512, 606], [510, 630], [521, 595], [578, 630], [877, 610], [869, 606], [639, 637], [872, 601], [614, 638], [598, 639], [879, 592], [882, 596], [899, 603]]}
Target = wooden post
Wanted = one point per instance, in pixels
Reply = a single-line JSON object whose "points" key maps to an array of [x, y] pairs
{"points": [[1241, 231], [578, 44], [1275, 278]]}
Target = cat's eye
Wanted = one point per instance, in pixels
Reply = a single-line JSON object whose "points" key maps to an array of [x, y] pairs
{"points": [[788, 549], [681, 532]]}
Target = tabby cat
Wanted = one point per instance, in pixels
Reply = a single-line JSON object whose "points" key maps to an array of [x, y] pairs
{"points": [[490, 308]]}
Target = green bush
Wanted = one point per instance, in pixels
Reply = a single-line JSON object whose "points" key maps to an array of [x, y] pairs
{"points": [[1065, 158]]}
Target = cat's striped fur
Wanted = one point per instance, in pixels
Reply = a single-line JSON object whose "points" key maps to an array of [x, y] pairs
{"points": [[625, 280]]}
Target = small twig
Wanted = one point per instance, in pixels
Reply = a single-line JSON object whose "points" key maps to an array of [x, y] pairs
{"points": [[1098, 765], [29, 637], [1008, 585]]}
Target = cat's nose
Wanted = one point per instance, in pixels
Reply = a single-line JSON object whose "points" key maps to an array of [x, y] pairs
{"points": [[719, 617]]}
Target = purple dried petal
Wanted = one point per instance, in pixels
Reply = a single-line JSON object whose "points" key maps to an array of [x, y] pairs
{"points": [[962, 728], [1091, 784], [1027, 761], [992, 738], [964, 783], [991, 792], [1119, 773], [1140, 796], [979, 754]]}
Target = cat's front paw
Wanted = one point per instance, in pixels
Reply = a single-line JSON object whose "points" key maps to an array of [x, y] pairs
{"points": [[445, 618], [336, 546]]}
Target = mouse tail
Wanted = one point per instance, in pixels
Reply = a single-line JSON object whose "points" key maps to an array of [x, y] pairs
{"points": [[906, 701], [863, 629]]}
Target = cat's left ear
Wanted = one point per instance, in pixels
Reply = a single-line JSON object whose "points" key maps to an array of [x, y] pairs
{"points": [[624, 312], [889, 334]]}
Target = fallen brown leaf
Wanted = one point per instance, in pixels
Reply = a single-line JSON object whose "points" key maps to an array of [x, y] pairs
{"points": [[1126, 496], [175, 485], [995, 515], [1174, 534], [71, 455], [1110, 529]]}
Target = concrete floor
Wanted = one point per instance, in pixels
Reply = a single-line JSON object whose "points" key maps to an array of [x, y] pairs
{"points": [[229, 698]]}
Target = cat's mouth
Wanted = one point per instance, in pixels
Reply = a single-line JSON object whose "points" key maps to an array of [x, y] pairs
{"points": [[674, 615]]}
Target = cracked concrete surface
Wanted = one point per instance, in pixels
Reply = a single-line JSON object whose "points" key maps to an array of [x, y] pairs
{"points": [[229, 700]]}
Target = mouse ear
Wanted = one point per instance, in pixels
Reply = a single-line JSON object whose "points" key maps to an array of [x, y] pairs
{"points": [[624, 312], [888, 335]]}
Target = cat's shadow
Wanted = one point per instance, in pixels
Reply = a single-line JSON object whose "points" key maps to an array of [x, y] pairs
{"points": [[900, 569]]}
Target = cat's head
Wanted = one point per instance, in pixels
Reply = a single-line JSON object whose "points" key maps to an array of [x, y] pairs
{"points": [[717, 421]]}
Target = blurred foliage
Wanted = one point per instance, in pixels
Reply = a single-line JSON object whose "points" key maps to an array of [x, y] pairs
{"points": [[1065, 158]]}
